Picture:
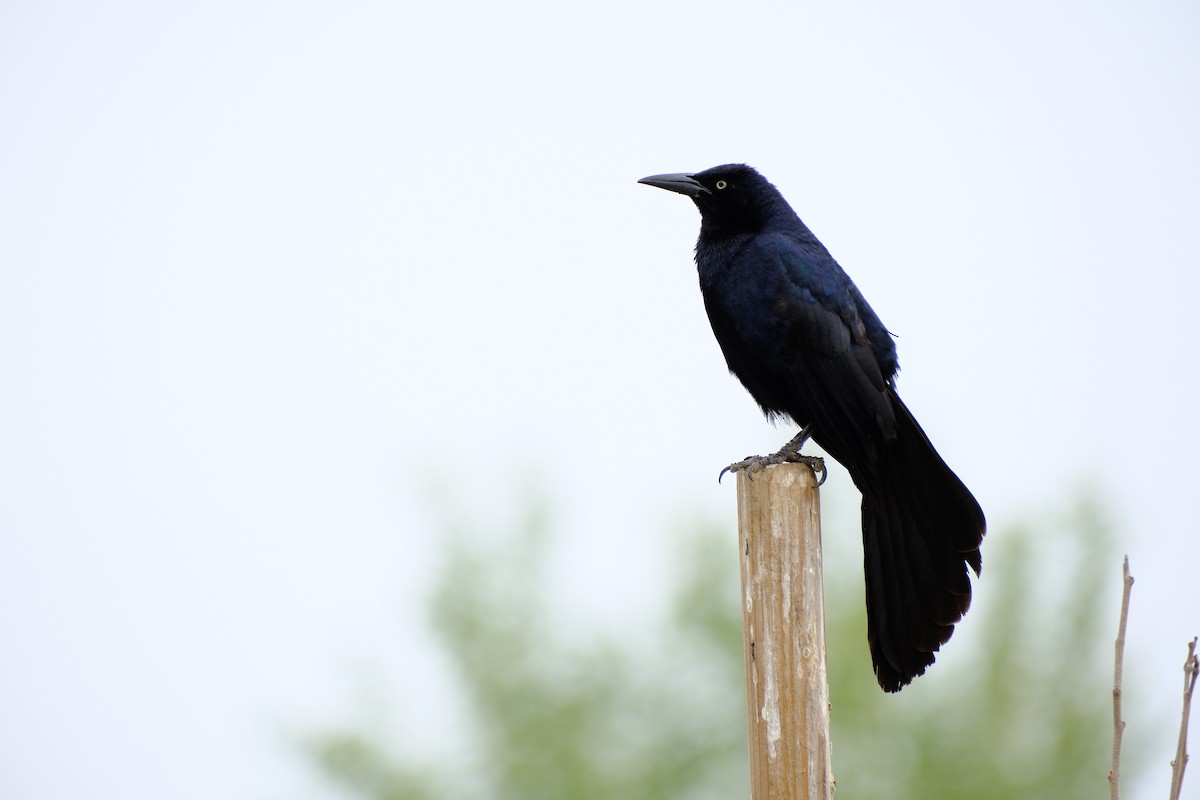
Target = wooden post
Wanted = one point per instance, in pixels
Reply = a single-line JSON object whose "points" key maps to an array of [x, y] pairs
{"points": [[783, 615]]}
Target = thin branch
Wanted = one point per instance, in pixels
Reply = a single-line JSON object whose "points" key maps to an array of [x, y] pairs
{"points": [[1114, 775], [1191, 665]]}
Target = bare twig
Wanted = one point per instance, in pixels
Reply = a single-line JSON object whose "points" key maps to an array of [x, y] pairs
{"points": [[1114, 775], [1190, 667]]}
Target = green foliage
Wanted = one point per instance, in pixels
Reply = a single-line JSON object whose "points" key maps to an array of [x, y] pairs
{"points": [[661, 713], [1025, 712]]}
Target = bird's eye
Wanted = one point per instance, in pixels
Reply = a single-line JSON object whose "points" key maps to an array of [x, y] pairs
{"points": [[721, 184]]}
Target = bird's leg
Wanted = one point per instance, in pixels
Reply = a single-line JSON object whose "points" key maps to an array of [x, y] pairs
{"points": [[796, 442], [789, 453]]}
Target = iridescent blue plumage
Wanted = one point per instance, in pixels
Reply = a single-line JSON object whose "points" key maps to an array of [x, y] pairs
{"points": [[807, 346]]}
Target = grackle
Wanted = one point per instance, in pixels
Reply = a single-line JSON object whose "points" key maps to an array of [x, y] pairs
{"points": [[801, 338]]}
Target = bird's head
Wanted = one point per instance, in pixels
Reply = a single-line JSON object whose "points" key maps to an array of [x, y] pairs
{"points": [[731, 197]]}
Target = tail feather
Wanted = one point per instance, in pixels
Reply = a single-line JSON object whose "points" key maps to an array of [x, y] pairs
{"points": [[922, 529], [898, 578]]}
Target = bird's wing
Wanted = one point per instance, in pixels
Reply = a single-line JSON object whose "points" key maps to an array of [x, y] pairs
{"points": [[921, 527], [831, 364]]}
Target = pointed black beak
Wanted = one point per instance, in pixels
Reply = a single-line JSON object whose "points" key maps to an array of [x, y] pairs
{"points": [[677, 182]]}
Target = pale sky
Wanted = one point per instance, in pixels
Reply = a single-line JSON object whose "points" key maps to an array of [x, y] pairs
{"points": [[270, 271]]}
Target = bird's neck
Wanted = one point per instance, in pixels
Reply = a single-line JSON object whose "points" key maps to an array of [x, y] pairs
{"points": [[717, 249]]}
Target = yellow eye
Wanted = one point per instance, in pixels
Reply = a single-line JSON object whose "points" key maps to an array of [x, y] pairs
{"points": [[721, 184]]}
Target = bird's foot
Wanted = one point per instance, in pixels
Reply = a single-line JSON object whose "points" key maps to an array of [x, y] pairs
{"points": [[753, 464], [788, 454]]}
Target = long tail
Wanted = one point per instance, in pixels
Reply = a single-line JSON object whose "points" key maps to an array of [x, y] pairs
{"points": [[922, 528]]}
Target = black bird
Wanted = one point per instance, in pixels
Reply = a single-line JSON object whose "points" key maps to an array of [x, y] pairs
{"points": [[801, 338]]}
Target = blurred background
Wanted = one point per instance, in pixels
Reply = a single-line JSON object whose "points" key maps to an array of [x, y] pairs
{"points": [[305, 307]]}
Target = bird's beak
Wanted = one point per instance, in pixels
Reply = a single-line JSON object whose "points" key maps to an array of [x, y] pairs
{"points": [[677, 182]]}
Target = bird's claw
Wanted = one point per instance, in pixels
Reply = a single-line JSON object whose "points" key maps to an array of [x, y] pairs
{"points": [[738, 465], [753, 464], [817, 465]]}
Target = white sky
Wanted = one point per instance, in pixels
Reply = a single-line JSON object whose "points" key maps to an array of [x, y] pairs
{"points": [[270, 271]]}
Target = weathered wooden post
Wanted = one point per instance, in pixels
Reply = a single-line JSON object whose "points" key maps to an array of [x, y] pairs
{"points": [[783, 615]]}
